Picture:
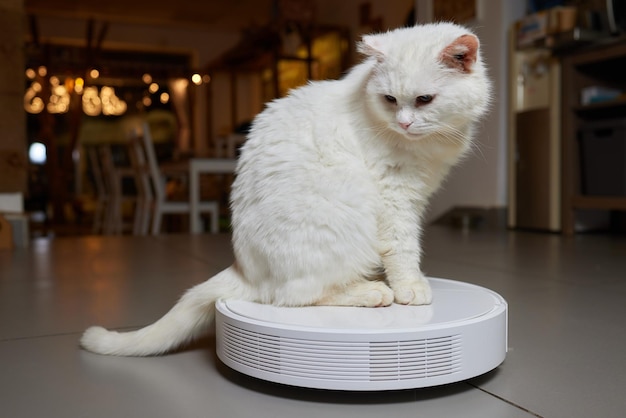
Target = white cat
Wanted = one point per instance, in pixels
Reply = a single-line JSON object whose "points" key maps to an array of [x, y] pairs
{"points": [[332, 183]]}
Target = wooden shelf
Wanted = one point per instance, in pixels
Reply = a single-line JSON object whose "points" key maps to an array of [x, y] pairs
{"points": [[599, 202], [602, 110], [603, 65]]}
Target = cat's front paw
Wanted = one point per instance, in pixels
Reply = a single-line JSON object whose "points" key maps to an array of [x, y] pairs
{"points": [[413, 292]]}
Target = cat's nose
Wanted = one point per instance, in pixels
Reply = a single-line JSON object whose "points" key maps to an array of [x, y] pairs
{"points": [[405, 125]]}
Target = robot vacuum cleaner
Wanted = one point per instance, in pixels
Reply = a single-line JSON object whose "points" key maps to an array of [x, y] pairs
{"points": [[462, 334]]}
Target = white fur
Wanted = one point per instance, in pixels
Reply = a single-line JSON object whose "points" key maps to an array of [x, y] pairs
{"points": [[330, 188]]}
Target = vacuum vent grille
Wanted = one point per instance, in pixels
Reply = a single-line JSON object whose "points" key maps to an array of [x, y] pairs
{"points": [[346, 361]]}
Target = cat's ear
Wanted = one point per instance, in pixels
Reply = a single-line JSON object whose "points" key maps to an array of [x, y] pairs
{"points": [[372, 46], [461, 54]]}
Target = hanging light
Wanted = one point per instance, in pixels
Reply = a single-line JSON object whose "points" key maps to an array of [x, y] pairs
{"points": [[111, 104], [92, 105], [79, 84], [59, 98], [94, 101], [32, 103]]}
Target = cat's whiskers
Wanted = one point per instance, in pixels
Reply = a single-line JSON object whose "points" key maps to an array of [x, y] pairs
{"points": [[451, 134], [445, 133], [380, 130], [458, 137]]}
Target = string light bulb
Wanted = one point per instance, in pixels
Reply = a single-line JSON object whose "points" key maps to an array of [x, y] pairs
{"points": [[79, 84]]}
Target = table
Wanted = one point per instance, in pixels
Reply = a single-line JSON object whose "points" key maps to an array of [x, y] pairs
{"points": [[199, 166]]}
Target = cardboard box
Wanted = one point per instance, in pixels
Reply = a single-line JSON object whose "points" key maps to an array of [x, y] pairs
{"points": [[538, 26]]}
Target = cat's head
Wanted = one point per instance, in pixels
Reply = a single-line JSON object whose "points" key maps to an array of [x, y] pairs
{"points": [[427, 79]]}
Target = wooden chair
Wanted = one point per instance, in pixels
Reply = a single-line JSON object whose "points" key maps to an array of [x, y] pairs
{"points": [[162, 205], [114, 175], [143, 183], [102, 213]]}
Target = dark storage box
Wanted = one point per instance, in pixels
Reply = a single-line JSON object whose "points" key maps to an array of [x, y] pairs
{"points": [[603, 158]]}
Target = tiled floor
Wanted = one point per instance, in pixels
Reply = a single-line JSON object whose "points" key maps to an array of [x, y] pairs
{"points": [[567, 332]]}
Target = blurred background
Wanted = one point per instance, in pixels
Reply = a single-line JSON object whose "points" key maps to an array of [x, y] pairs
{"points": [[77, 76]]}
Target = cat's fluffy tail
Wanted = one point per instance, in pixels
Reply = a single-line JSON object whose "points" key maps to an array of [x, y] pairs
{"points": [[189, 318]]}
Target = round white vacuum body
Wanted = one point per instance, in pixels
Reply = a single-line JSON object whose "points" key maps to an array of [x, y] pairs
{"points": [[462, 334]]}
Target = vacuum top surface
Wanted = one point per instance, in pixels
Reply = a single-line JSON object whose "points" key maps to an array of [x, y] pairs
{"points": [[453, 302]]}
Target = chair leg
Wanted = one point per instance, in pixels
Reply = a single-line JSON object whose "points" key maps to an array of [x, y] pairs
{"points": [[145, 218], [114, 220], [107, 228], [137, 216], [98, 217], [215, 227], [118, 223], [156, 221]]}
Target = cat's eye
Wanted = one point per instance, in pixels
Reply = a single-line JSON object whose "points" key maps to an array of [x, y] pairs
{"points": [[426, 98], [391, 99]]}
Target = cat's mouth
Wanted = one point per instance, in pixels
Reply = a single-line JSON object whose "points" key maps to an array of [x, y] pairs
{"points": [[412, 133], [413, 136]]}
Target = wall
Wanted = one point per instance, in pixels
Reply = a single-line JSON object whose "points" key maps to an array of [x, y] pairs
{"points": [[481, 180], [13, 167]]}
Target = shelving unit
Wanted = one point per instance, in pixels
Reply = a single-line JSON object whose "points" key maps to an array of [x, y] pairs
{"points": [[534, 140], [599, 65]]}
